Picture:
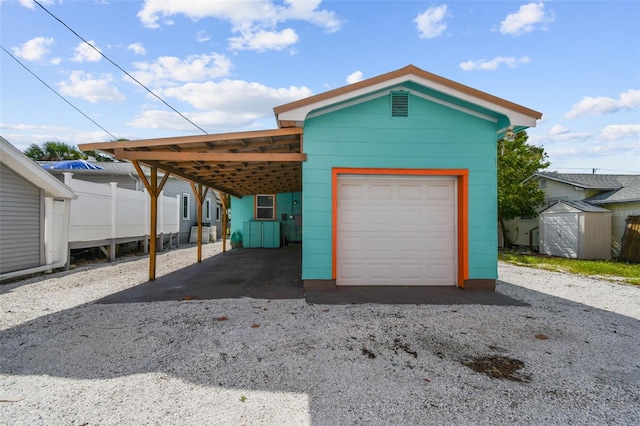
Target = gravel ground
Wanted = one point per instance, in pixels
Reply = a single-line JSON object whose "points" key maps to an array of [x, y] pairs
{"points": [[66, 361]]}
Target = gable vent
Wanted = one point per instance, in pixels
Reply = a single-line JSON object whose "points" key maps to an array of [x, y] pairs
{"points": [[400, 104]]}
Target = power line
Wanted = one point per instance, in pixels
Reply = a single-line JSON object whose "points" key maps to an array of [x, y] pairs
{"points": [[119, 67], [59, 95], [592, 169]]}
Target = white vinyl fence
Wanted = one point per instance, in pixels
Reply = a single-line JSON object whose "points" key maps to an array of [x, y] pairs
{"points": [[105, 215]]}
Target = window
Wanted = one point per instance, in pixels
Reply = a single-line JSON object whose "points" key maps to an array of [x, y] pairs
{"points": [[207, 209], [186, 206], [542, 183], [217, 213], [265, 207]]}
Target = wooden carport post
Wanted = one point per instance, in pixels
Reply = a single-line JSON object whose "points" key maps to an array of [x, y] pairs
{"points": [[223, 200], [154, 190], [200, 192]]}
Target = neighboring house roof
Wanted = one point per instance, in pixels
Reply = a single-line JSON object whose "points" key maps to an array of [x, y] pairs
{"points": [[616, 188], [71, 165], [579, 205], [583, 180], [622, 195], [107, 168], [13, 158], [293, 114]]}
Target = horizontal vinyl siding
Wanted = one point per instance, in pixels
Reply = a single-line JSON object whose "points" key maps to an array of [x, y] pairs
{"points": [[19, 222]]}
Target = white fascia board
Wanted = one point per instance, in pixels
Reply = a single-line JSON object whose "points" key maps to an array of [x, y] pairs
{"points": [[31, 171], [405, 89], [515, 118]]}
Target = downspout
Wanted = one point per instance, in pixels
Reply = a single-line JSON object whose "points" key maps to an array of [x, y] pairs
{"points": [[37, 269], [531, 238], [48, 231]]}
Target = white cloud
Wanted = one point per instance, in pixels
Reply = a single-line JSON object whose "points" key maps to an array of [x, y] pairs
{"points": [[354, 77], [430, 23], [227, 104], [84, 86], [34, 49], [137, 48], [86, 53], [202, 37], [254, 22], [264, 40], [526, 19], [621, 131], [167, 120], [494, 63], [169, 70], [603, 105], [559, 130], [236, 96], [31, 5]]}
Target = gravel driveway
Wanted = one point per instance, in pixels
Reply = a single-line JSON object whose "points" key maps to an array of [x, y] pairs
{"points": [[571, 357]]}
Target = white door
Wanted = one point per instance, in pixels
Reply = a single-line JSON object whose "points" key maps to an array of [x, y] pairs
{"points": [[396, 230], [561, 234]]}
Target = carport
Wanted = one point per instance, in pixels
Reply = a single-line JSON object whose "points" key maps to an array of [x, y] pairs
{"points": [[238, 164]]}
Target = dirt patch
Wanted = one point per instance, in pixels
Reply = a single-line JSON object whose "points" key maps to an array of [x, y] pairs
{"points": [[498, 367]]}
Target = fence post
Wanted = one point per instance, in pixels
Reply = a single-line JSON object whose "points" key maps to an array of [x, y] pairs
{"points": [[178, 216], [161, 218], [146, 220], [114, 220]]}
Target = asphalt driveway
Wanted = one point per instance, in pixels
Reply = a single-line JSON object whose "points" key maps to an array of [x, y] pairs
{"points": [[276, 274]]}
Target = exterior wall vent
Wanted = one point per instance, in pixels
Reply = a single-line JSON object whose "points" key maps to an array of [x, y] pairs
{"points": [[399, 104]]}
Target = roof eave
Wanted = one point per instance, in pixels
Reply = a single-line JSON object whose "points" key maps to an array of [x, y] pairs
{"points": [[296, 112], [31, 171]]}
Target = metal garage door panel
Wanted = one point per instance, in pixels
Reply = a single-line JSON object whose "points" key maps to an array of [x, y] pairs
{"points": [[396, 230]]}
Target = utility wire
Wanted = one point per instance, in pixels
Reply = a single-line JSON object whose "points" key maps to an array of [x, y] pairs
{"points": [[54, 91], [587, 168], [119, 67]]}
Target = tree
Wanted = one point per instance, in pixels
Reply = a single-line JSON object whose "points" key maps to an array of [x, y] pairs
{"points": [[53, 151], [517, 161], [60, 151]]}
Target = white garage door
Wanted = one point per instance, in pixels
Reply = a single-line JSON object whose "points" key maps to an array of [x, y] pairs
{"points": [[396, 230]]}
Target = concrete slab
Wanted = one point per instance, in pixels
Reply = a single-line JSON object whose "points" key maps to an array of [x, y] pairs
{"points": [[276, 274], [396, 295]]}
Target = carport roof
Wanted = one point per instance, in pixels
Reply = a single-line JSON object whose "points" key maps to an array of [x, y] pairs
{"points": [[241, 163]]}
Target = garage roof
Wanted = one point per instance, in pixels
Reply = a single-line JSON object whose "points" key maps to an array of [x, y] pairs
{"points": [[241, 163], [294, 113]]}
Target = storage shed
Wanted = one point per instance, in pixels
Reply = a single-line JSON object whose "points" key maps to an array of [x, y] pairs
{"points": [[34, 216], [575, 229]]}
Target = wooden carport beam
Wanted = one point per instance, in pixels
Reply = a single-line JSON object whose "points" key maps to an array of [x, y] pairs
{"points": [[200, 191], [161, 155], [154, 190]]}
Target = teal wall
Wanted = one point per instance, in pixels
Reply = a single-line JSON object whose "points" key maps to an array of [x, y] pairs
{"points": [[433, 136], [243, 210]]}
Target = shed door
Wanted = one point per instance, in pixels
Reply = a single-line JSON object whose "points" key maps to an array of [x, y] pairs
{"points": [[19, 222], [396, 230], [561, 234]]}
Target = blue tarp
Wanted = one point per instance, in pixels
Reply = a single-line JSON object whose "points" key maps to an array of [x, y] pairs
{"points": [[71, 165]]}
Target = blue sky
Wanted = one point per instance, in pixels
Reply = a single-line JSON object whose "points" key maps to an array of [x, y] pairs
{"points": [[226, 64]]}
